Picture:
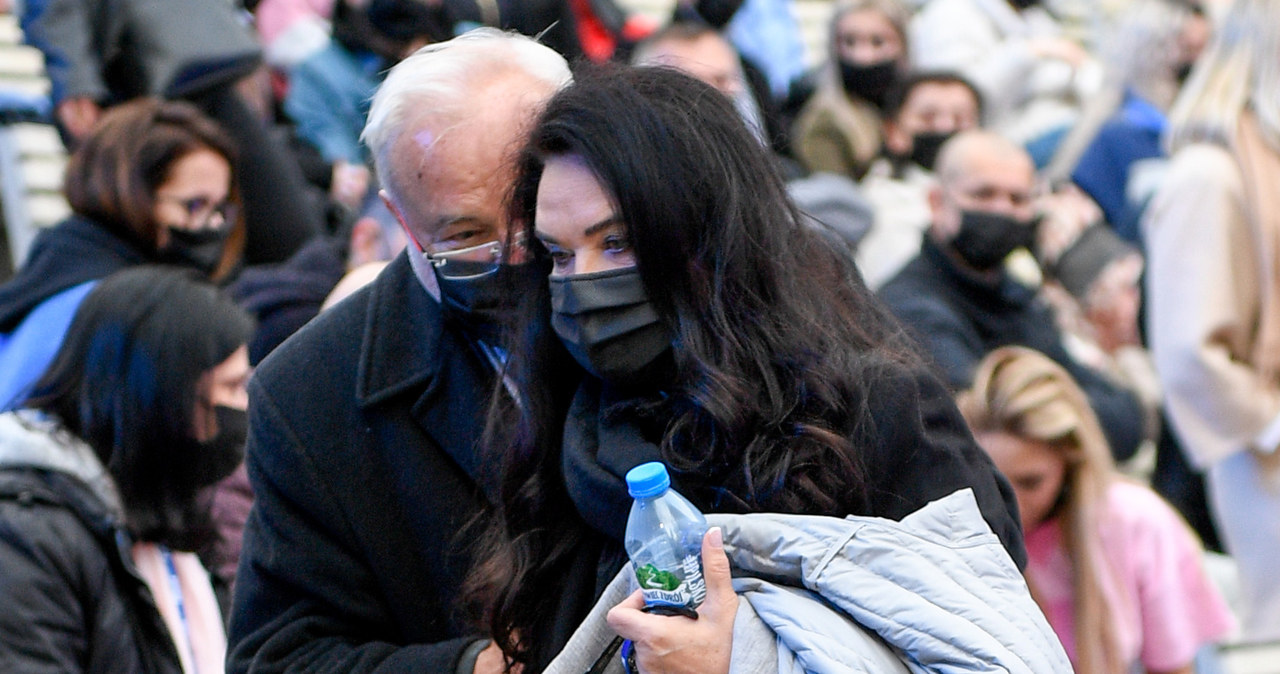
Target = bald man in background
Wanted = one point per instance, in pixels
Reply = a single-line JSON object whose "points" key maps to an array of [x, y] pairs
{"points": [[958, 299]]}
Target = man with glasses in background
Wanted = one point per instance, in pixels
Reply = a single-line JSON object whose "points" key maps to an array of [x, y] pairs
{"points": [[364, 425]]}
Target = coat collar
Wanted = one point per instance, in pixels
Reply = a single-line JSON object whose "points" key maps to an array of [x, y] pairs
{"points": [[402, 334], [404, 350]]}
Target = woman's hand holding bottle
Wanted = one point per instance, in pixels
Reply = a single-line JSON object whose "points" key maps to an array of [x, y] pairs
{"points": [[675, 644]]}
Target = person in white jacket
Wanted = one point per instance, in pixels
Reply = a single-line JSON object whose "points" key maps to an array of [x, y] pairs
{"points": [[1032, 78], [1213, 238]]}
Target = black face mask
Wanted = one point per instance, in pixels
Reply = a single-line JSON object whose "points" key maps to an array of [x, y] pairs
{"points": [[1023, 4], [870, 82], [606, 322], [717, 13], [925, 147], [484, 303], [1182, 72], [200, 249], [219, 456], [986, 239]]}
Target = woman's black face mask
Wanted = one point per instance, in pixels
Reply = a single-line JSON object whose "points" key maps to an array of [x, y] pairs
{"points": [[605, 321]]}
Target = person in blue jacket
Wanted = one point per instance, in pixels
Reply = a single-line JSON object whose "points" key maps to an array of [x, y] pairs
{"points": [[152, 184]]}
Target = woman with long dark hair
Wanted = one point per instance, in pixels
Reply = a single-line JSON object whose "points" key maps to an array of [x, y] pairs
{"points": [[694, 320], [102, 482]]}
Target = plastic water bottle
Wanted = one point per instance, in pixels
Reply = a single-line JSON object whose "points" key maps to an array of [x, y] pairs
{"points": [[664, 540]]}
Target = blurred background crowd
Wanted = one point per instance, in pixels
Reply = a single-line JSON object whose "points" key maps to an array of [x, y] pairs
{"points": [[1095, 180]]}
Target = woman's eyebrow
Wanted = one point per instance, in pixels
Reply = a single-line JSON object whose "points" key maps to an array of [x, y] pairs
{"points": [[610, 221]]}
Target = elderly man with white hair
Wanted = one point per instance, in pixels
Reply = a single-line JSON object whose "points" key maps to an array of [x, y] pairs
{"points": [[363, 426]]}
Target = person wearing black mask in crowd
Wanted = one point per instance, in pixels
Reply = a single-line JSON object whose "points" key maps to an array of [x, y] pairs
{"points": [[839, 128], [958, 298], [363, 425], [153, 184], [103, 482], [1033, 77], [922, 112], [699, 321]]}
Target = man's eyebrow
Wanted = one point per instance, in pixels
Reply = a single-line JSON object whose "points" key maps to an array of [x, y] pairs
{"points": [[447, 220]]}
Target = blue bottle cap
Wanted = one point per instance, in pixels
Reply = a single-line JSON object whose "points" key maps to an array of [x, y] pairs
{"points": [[648, 479]]}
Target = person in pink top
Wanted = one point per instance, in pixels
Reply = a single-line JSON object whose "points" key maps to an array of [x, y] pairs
{"points": [[1115, 569]]}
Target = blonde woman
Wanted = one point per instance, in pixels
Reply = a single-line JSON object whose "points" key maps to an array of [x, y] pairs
{"points": [[839, 129], [1213, 287], [1114, 568]]}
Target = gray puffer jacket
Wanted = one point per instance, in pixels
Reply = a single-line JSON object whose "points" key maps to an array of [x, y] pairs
{"points": [[935, 592]]}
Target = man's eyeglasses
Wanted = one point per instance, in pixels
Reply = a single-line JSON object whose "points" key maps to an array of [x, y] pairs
{"points": [[470, 262], [202, 212]]}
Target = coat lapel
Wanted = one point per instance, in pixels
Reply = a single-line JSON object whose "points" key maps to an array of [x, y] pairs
{"points": [[408, 351]]}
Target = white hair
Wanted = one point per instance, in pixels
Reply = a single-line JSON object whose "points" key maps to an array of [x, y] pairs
{"points": [[441, 82], [1239, 69]]}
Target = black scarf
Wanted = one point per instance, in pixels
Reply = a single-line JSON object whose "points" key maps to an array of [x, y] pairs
{"points": [[73, 252], [604, 437]]}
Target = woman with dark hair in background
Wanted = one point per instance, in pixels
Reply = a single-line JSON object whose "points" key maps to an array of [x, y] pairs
{"points": [[153, 184], [102, 477], [711, 330]]}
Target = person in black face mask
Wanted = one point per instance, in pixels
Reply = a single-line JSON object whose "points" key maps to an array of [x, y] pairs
{"points": [[105, 470], [705, 324], [961, 302], [839, 128], [153, 184], [924, 111], [384, 394]]}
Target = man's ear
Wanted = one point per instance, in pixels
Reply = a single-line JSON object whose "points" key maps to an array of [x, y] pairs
{"points": [[896, 140], [936, 208], [935, 200], [404, 224]]}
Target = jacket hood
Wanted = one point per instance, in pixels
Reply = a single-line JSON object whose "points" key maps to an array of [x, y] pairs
{"points": [[29, 439]]}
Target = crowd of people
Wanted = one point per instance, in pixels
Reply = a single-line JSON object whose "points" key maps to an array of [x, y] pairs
{"points": [[966, 338]]}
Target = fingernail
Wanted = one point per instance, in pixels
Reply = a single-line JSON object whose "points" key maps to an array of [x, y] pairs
{"points": [[715, 537]]}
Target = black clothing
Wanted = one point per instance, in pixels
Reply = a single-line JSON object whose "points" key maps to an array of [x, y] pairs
{"points": [[284, 297], [74, 601], [281, 210], [362, 455], [922, 451], [959, 317], [72, 252]]}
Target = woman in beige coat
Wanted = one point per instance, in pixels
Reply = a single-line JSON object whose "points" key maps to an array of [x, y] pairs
{"points": [[1213, 237]]}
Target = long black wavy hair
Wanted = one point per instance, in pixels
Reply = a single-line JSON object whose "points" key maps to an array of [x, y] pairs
{"points": [[124, 381], [775, 336]]}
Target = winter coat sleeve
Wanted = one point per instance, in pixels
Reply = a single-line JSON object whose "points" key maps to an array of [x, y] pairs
{"points": [[64, 31], [306, 599], [53, 589]]}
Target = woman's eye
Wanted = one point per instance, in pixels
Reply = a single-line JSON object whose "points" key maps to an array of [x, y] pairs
{"points": [[616, 243], [559, 256]]}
